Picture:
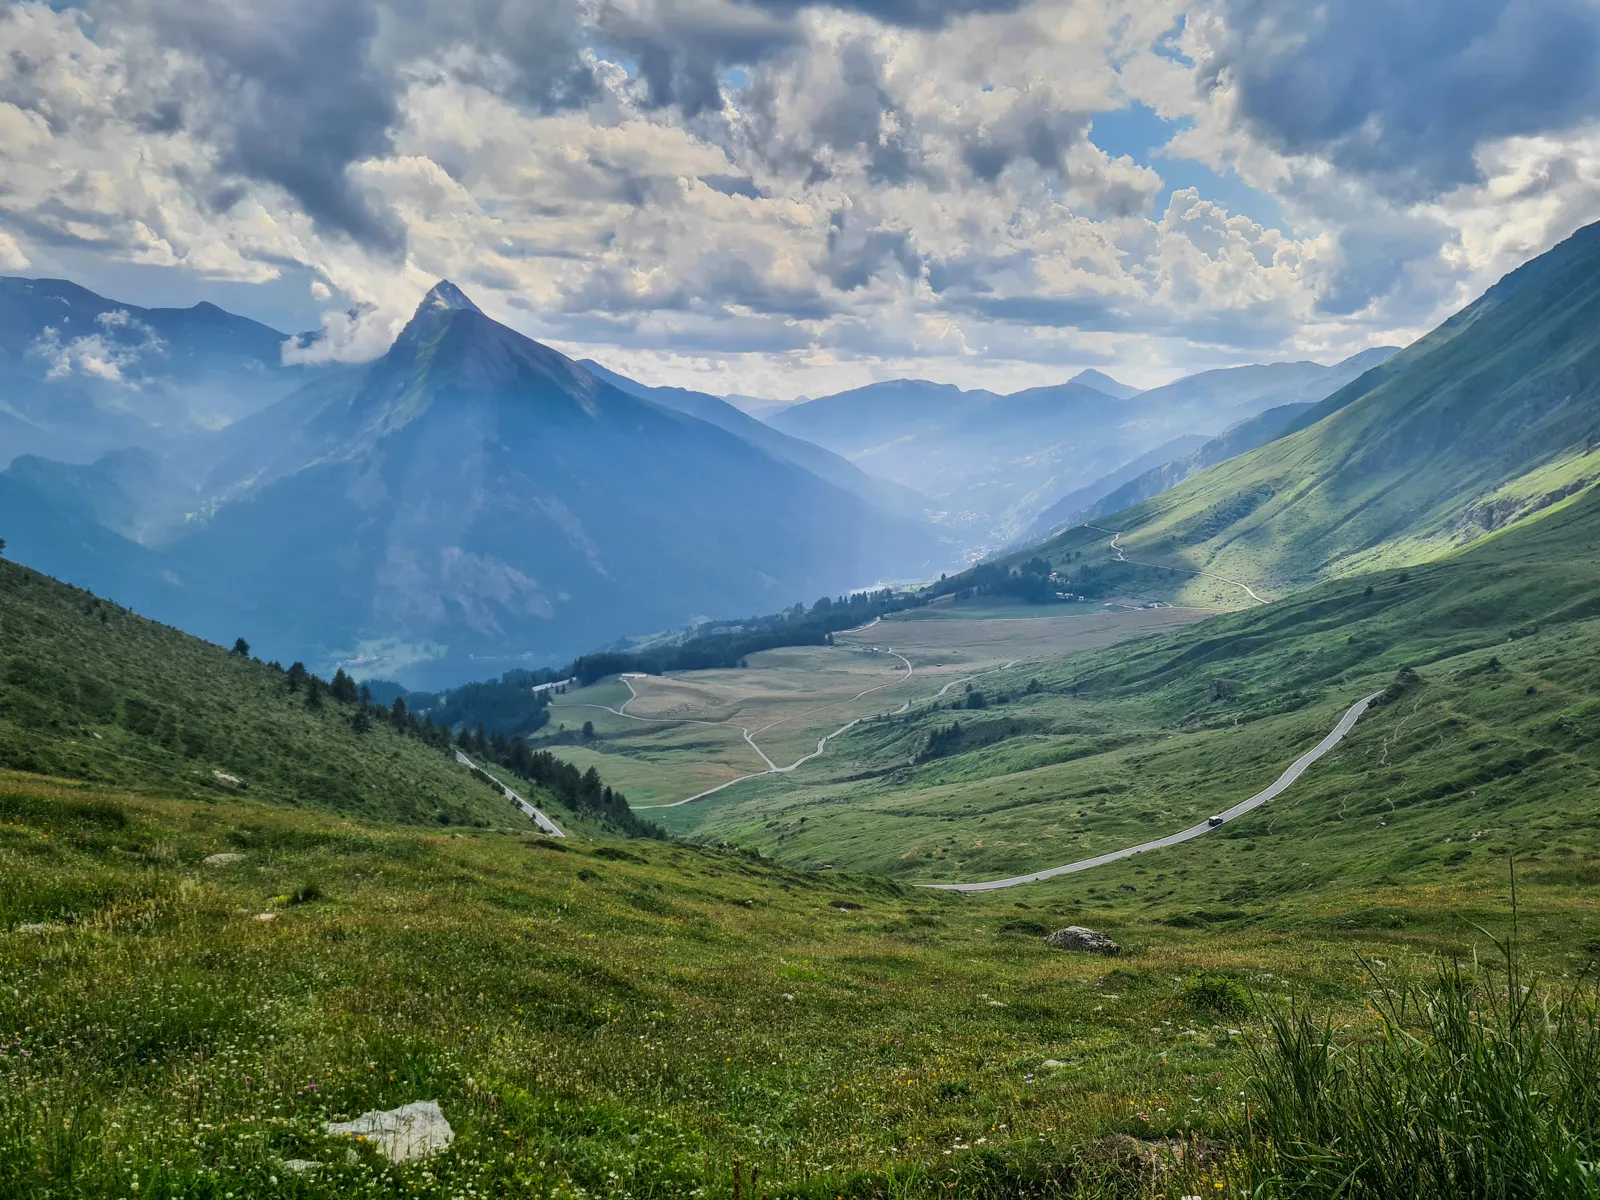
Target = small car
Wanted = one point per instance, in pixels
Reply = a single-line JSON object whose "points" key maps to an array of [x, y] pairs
{"points": [[1215, 821]]}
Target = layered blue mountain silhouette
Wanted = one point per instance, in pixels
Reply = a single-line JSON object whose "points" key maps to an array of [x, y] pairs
{"points": [[470, 501]]}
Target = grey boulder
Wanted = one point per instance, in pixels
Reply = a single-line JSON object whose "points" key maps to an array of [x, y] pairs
{"points": [[1076, 937]]}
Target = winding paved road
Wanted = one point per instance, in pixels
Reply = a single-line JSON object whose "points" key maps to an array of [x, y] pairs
{"points": [[545, 824], [1296, 769]]}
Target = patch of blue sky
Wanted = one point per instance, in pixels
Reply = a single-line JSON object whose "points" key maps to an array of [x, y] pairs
{"points": [[1167, 44], [1141, 133]]}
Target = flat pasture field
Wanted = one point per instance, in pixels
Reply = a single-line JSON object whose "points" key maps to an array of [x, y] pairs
{"points": [[953, 638], [660, 739]]}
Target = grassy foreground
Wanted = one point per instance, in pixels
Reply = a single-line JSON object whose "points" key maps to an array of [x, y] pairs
{"points": [[610, 1018]]}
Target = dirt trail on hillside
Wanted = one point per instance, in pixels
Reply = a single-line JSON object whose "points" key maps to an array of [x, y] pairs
{"points": [[1122, 556]]}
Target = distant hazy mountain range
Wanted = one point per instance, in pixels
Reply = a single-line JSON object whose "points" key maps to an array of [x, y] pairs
{"points": [[473, 500], [997, 464], [1489, 422], [470, 501], [81, 375], [1170, 464]]}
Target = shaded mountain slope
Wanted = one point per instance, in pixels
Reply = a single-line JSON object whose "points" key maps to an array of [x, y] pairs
{"points": [[81, 374], [824, 464], [474, 501]]}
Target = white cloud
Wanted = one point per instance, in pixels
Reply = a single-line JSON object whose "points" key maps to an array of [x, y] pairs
{"points": [[11, 256], [121, 344], [860, 198]]}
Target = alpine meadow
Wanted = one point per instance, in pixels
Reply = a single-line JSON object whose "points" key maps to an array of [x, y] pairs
{"points": [[825, 600]]}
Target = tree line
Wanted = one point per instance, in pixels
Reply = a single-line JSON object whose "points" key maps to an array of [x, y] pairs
{"points": [[580, 791]]}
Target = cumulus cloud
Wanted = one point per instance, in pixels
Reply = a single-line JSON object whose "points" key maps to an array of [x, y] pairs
{"points": [[11, 256], [772, 186], [1408, 94], [122, 343]]}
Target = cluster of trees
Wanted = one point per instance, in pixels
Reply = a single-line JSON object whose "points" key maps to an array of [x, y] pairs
{"points": [[579, 790], [357, 699], [1030, 581], [582, 791], [728, 644], [507, 705]]}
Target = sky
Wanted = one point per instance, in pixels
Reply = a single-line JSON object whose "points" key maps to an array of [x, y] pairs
{"points": [[776, 198]]}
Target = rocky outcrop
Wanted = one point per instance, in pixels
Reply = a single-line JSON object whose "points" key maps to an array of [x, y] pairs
{"points": [[1076, 937]]}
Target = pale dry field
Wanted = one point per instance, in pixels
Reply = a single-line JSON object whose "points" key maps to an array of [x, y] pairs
{"points": [[665, 738]]}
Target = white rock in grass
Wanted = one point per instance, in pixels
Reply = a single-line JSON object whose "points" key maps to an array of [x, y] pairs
{"points": [[265, 917], [301, 1165], [221, 860], [410, 1131], [41, 927]]}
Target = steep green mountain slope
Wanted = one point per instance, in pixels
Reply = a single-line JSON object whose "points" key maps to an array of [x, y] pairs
{"points": [[995, 463], [93, 691], [1150, 476], [1490, 418]]}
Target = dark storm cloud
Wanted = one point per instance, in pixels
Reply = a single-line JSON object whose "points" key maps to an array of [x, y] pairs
{"points": [[857, 254], [288, 92], [1040, 134], [1404, 92], [682, 53]]}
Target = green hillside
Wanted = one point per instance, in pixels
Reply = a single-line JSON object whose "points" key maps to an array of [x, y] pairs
{"points": [[651, 1021], [93, 691], [1489, 747], [601, 1018], [1486, 421]]}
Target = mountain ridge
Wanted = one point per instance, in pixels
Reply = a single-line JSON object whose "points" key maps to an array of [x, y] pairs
{"points": [[473, 501]]}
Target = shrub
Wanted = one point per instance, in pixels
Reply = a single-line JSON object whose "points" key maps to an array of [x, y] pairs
{"points": [[306, 893], [1218, 996]]}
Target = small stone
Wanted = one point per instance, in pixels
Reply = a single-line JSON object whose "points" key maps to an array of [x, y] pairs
{"points": [[1051, 1064], [226, 778], [1076, 937], [221, 860], [265, 917], [301, 1165], [401, 1134], [41, 927]]}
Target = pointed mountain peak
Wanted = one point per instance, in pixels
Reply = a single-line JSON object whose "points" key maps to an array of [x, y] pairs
{"points": [[1104, 384], [446, 297]]}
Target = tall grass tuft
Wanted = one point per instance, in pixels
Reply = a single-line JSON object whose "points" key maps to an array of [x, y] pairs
{"points": [[1478, 1083]]}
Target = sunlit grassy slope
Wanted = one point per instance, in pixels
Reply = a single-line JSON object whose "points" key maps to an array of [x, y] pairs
{"points": [[91, 690], [1488, 420], [635, 1019], [600, 1017], [1491, 745]]}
